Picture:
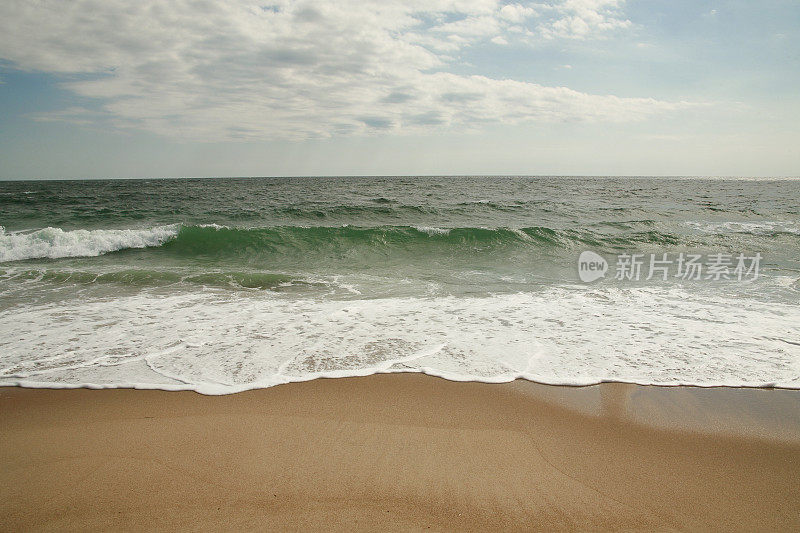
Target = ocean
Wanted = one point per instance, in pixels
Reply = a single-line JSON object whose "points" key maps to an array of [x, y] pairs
{"points": [[228, 284]]}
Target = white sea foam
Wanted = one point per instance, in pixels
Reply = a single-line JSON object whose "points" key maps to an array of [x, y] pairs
{"points": [[54, 242], [432, 230], [213, 225], [218, 342]]}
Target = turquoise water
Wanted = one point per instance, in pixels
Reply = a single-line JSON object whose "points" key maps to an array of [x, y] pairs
{"points": [[225, 284]]}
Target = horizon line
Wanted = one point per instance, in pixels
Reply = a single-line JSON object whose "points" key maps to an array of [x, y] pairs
{"points": [[304, 176]]}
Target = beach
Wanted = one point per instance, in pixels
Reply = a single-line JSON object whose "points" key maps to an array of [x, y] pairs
{"points": [[401, 451]]}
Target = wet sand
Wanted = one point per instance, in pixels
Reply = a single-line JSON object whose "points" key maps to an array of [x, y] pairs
{"points": [[401, 451]]}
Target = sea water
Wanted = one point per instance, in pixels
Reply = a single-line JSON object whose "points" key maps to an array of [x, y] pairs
{"points": [[222, 285]]}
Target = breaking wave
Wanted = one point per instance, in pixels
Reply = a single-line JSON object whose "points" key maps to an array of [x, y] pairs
{"points": [[218, 242], [55, 243]]}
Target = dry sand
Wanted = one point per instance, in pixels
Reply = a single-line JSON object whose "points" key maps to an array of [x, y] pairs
{"points": [[401, 451]]}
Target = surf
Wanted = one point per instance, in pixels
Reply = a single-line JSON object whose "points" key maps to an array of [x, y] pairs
{"points": [[55, 243]]}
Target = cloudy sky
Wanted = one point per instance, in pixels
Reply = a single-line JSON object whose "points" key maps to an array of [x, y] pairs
{"points": [[115, 88]]}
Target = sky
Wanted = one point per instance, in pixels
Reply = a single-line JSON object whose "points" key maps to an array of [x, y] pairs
{"points": [[114, 88]]}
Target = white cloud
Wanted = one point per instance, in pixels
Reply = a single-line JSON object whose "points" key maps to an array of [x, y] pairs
{"points": [[581, 19], [516, 13], [74, 114], [204, 70]]}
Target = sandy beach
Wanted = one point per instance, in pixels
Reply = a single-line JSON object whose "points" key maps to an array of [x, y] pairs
{"points": [[401, 451]]}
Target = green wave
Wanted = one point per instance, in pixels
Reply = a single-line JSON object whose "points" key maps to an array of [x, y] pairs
{"points": [[215, 241], [290, 245]]}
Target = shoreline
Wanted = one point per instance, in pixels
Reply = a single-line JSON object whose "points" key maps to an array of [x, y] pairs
{"points": [[200, 389], [402, 451]]}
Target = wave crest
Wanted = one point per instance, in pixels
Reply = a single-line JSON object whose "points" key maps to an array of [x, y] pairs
{"points": [[55, 243], [211, 240]]}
